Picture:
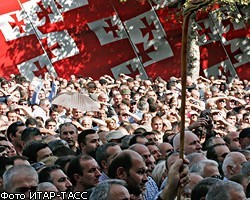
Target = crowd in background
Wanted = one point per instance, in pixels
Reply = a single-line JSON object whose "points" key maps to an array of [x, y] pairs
{"points": [[129, 148]]}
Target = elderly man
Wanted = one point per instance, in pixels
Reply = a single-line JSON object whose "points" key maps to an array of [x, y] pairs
{"points": [[20, 179], [113, 189], [191, 143], [232, 164]]}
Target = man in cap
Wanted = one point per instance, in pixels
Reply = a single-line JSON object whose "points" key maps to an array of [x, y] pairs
{"points": [[115, 136]]}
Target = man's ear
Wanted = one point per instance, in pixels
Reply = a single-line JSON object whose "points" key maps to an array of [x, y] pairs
{"points": [[230, 169], [82, 146], [121, 173], [104, 164], [77, 178]]}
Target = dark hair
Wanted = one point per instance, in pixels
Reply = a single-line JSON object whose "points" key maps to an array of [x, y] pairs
{"points": [[200, 190], [31, 121], [123, 160], [133, 140], [62, 161], [63, 151], [82, 136], [31, 149], [45, 174], [49, 120], [12, 129], [66, 124], [29, 132], [75, 167], [139, 130], [101, 152]]}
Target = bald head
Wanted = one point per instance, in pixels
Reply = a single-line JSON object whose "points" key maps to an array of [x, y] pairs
{"points": [[191, 143]]}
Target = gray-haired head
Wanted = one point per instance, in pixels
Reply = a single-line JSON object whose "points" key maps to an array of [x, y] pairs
{"points": [[200, 166], [102, 190], [47, 186], [26, 170], [228, 190]]}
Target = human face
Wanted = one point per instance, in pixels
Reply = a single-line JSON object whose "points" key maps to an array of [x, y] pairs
{"points": [[112, 125], [77, 113], [211, 171], [118, 192], [92, 143], [23, 183], [136, 177], [165, 148], [17, 139], [112, 152], [117, 99], [69, 134], [12, 117], [157, 125], [155, 152], [3, 109], [91, 173], [234, 141], [221, 152], [239, 160], [44, 153], [10, 149], [192, 144], [51, 126], [87, 123], [60, 180], [245, 142]]}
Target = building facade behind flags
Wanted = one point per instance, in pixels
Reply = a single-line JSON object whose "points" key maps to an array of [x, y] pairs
{"points": [[92, 38]]}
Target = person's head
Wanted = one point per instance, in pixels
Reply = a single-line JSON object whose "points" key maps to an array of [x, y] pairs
{"points": [[30, 134], [159, 173], [113, 189], [165, 148], [31, 122], [244, 138], [88, 141], [87, 122], [76, 113], [84, 172], [48, 187], [217, 152], [143, 151], [154, 151], [150, 136], [233, 141], [51, 124], [68, 132], [21, 179], [213, 141], [206, 168], [45, 104], [130, 167], [226, 190], [195, 157], [36, 151], [232, 164], [19, 160], [157, 123], [56, 176], [200, 190], [63, 162], [106, 153], [241, 179], [191, 143], [14, 132], [10, 149], [137, 139]]}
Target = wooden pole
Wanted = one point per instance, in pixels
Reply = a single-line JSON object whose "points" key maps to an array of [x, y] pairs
{"points": [[183, 85]]}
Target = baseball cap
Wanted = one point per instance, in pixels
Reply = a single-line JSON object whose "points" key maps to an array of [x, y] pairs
{"points": [[114, 135], [125, 91]]}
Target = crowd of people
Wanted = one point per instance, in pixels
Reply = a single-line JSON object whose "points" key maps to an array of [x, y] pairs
{"points": [[129, 147]]}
